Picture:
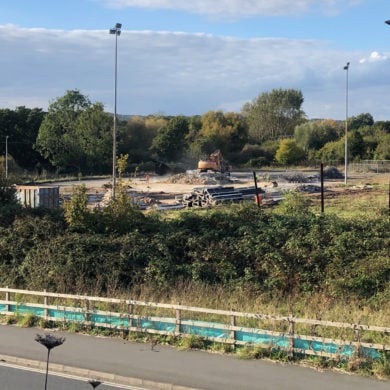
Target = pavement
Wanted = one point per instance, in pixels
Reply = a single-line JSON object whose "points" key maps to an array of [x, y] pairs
{"points": [[162, 367]]}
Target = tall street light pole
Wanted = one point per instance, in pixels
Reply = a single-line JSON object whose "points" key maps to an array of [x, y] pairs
{"points": [[115, 31], [6, 156], [388, 22], [346, 68]]}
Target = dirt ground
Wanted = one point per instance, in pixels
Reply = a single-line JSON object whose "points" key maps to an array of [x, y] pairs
{"points": [[149, 190]]}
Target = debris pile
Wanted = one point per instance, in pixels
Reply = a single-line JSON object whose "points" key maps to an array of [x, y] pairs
{"points": [[332, 173], [199, 179], [310, 188], [211, 196], [296, 178]]}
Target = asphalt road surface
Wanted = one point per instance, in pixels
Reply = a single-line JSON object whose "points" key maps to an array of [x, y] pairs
{"points": [[161, 364], [14, 378]]}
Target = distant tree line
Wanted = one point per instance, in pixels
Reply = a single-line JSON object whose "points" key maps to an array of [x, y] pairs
{"points": [[75, 136]]}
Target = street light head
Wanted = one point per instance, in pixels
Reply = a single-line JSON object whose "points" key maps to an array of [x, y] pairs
{"points": [[346, 67], [387, 21], [117, 29]]}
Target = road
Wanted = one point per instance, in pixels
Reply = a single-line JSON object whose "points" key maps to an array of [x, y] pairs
{"points": [[16, 378], [163, 364]]}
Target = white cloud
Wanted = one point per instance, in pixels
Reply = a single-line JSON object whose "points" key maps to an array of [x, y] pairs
{"points": [[182, 73], [374, 57], [236, 9]]}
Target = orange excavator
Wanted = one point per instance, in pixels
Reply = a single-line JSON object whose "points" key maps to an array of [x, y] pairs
{"points": [[214, 162]]}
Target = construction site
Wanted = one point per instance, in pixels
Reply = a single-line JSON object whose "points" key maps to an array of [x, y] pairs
{"points": [[208, 189]]}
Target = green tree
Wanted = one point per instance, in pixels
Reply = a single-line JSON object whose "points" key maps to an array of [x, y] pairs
{"points": [[382, 151], [21, 126], [122, 164], [9, 205], [137, 136], [313, 135], [361, 120], [332, 152], [75, 135], [289, 152], [76, 209], [226, 132], [376, 141], [274, 114], [356, 145], [383, 125], [170, 141], [94, 135]]}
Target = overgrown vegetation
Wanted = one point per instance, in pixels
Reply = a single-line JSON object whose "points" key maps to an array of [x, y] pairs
{"points": [[289, 259], [285, 254]]}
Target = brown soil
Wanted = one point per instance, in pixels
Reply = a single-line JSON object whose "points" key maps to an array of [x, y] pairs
{"points": [[157, 189]]}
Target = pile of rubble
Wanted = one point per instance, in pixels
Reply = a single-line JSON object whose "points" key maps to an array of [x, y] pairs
{"points": [[332, 173], [298, 178], [199, 179], [213, 195], [310, 188]]}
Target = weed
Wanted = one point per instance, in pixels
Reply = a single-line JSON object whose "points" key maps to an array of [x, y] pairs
{"points": [[192, 342], [73, 327], [45, 324], [222, 348], [251, 351], [12, 320], [28, 320], [381, 367]]}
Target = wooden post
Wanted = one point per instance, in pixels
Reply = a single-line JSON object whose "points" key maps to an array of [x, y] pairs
{"points": [[178, 321], [86, 309], [357, 340], [256, 189], [46, 304], [131, 313], [291, 332], [233, 332], [7, 298]]}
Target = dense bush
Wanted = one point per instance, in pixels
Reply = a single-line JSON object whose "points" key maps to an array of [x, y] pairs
{"points": [[280, 252]]}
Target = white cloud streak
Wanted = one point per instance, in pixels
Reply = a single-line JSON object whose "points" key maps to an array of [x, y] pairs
{"points": [[182, 73], [237, 9]]}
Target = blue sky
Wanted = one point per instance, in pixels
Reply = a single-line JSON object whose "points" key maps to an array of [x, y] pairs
{"points": [[189, 57]]}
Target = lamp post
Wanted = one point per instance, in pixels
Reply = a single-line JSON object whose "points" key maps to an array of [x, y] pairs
{"points": [[115, 31], [6, 156], [346, 68]]}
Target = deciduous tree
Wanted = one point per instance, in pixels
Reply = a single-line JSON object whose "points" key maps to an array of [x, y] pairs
{"points": [[274, 114], [315, 134], [224, 131], [75, 135], [170, 142], [289, 152]]}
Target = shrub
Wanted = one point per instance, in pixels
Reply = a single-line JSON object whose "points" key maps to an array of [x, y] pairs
{"points": [[29, 320]]}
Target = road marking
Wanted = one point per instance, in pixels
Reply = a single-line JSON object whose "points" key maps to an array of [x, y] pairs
{"points": [[68, 376]]}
